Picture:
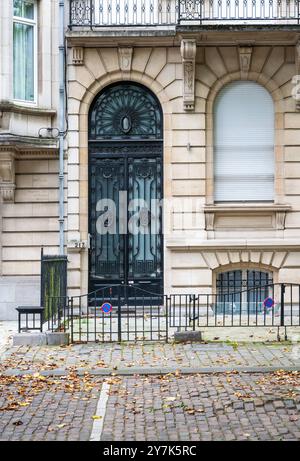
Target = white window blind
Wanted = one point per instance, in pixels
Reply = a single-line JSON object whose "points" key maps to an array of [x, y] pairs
{"points": [[244, 143]]}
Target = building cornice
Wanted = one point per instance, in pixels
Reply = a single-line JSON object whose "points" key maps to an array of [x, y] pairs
{"points": [[28, 146], [224, 35]]}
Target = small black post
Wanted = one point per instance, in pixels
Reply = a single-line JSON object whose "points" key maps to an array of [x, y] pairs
{"points": [[282, 305], [119, 316]]}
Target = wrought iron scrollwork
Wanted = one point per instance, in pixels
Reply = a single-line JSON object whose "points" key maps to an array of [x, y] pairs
{"points": [[125, 111], [138, 13]]}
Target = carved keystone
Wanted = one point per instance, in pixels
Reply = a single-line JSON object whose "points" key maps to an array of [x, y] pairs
{"points": [[245, 53], [125, 59]]}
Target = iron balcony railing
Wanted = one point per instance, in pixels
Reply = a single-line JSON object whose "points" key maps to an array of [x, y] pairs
{"points": [[147, 13]]}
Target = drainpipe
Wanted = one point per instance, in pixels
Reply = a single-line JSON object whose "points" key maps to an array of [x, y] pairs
{"points": [[61, 122]]}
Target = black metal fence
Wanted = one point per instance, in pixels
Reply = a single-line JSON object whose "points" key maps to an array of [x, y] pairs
{"points": [[53, 288], [128, 313], [111, 13]]}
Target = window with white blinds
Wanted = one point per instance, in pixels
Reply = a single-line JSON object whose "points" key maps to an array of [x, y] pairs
{"points": [[244, 143]]}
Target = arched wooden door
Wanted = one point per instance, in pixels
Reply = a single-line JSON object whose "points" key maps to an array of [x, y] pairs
{"points": [[126, 188]]}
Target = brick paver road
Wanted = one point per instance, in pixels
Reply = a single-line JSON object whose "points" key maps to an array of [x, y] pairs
{"points": [[37, 408], [226, 406], [157, 392], [204, 407]]}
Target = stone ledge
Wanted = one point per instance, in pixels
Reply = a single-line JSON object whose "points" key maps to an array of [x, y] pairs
{"points": [[187, 336], [30, 339], [41, 339], [58, 339]]}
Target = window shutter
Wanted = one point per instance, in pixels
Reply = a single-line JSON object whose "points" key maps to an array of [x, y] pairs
{"points": [[244, 143]]}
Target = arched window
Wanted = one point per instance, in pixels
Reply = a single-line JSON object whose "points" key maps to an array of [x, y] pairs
{"points": [[244, 143], [243, 290]]}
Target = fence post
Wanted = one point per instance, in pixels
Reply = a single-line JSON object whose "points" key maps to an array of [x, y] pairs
{"points": [[167, 317], [282, 305], [194, 312], [72, 324], [119, 316]]}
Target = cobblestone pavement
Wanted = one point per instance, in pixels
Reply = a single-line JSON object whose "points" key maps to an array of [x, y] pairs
{"points": [[38, 409], [171, 407], [204, 407], [53, 393], [151, 357]]}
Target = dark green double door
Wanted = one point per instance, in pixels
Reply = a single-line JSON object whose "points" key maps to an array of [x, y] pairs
{"points": [[125, 219]]}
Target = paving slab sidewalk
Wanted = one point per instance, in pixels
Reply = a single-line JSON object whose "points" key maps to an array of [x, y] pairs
{"points": [[150, 358]]}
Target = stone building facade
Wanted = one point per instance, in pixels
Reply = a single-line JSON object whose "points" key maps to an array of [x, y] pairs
{"points": [[186, 67]]}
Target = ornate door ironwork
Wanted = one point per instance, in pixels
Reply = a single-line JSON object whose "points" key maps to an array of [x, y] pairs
{"points": [[126, 189]]}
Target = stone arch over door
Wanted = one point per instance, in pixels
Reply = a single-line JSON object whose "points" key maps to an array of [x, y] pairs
{"points": [[84, 84], [125, 167]]}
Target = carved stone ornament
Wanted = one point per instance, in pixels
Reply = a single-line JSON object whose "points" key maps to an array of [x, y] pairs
{"points": [[297, 57], [280, 220], [245, 53], [209, 221], [296, 80], [125, 59], [188, 53], [7, 176], [77, 55]]}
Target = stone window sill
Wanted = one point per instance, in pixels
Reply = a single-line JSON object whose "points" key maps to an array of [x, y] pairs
{"points": [[9, 106], [278, 212]]}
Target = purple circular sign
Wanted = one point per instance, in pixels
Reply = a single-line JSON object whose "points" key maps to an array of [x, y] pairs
{"points": [[106, 308]]}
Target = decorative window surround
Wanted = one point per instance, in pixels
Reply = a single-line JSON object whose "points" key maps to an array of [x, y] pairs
{"points": [[279, 212], [188, 53]]}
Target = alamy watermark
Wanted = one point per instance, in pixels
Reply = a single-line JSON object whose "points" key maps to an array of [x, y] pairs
{"points": [[154, 216]]}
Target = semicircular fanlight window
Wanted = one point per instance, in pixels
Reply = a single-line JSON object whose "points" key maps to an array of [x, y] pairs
{"points": [[125, 111]]}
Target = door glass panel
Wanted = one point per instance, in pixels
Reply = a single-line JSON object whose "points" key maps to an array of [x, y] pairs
{"points": [[144, 193], [107, 249]]}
